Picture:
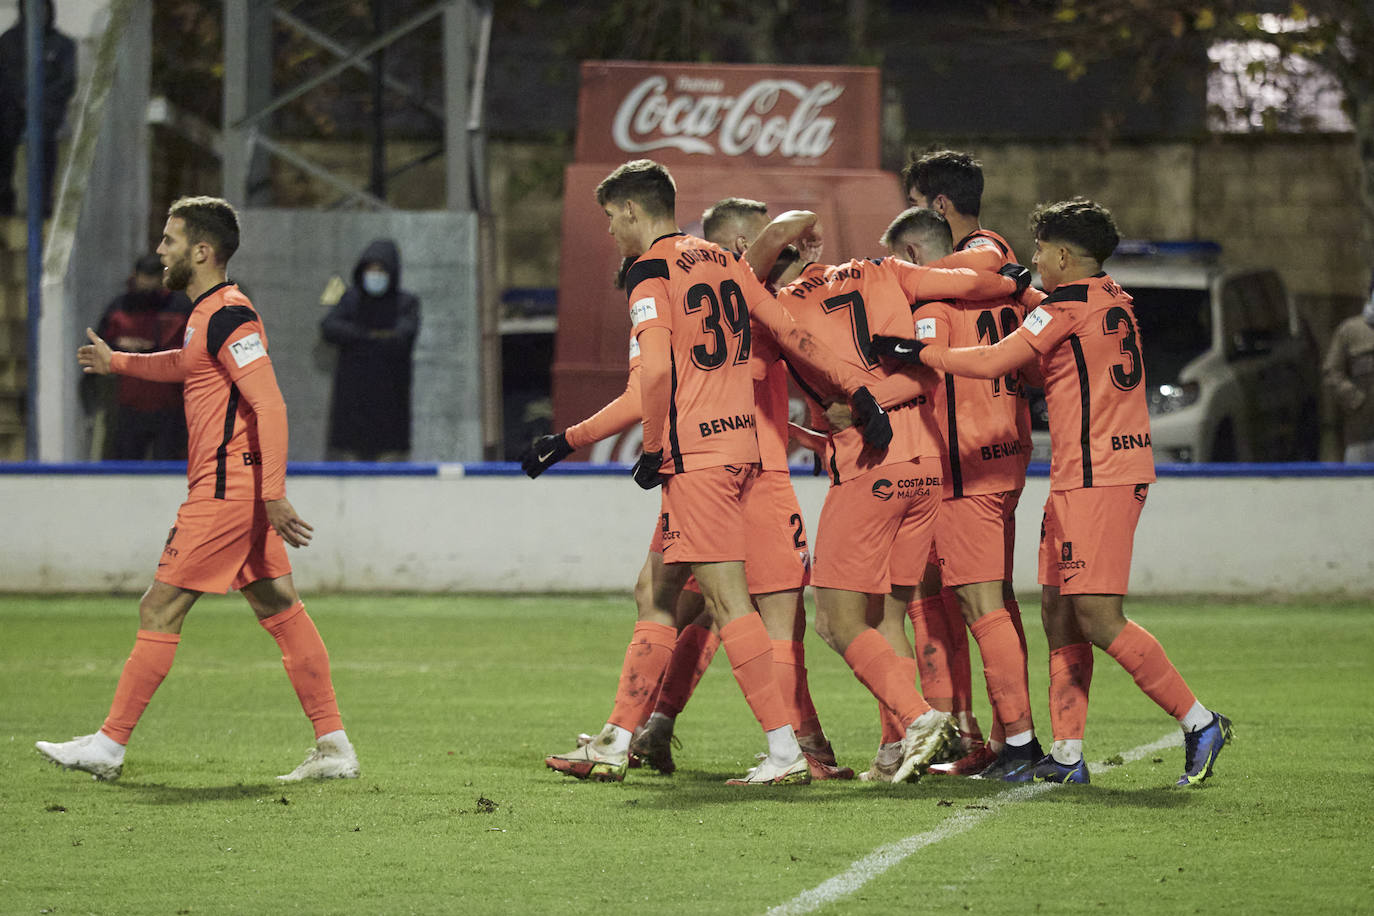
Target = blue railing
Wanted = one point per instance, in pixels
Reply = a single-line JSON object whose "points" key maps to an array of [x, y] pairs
{"points": [[578, 469]]}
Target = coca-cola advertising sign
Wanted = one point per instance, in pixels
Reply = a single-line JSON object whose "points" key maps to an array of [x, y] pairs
{"points": [[676, 113]]}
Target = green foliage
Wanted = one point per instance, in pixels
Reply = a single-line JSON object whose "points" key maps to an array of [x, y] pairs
{"points": [[453, 701], [703, 31]]}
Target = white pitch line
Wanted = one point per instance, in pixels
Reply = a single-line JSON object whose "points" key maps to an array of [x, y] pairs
{"points": [[884, 857]]}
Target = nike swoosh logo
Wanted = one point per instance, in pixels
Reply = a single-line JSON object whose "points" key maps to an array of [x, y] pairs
{"points": [[545, 457], [898, 348], [1074, 576]]}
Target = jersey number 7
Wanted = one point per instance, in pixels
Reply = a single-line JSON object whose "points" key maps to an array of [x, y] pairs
{"points": [[858, 323]]}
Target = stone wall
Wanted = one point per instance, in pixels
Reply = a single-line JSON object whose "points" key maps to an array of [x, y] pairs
{"points": [[1288, 202]]}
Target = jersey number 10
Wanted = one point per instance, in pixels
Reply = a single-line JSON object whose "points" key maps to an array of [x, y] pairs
{"points": [[988, 330]]}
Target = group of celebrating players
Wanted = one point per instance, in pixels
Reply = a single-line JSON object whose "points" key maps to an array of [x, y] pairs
{"points": [[912, 367]]}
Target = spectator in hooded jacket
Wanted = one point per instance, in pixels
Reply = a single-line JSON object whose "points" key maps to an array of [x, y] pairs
{"points": [[374, 326]]}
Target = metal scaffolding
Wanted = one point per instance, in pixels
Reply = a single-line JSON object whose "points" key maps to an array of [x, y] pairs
{"points": [[249, 98]]}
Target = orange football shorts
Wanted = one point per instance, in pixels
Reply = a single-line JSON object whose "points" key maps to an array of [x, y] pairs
{"points": [[875, 530], [703, 514], [221, 544], [975, 537], [1086, 538]]}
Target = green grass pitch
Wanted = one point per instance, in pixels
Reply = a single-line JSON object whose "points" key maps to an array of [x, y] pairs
{"points": [[453, 702]]}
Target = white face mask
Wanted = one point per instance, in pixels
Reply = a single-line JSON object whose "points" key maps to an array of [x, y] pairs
{"points": [[375, 282]]}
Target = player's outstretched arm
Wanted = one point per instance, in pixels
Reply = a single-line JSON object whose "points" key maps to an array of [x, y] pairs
{"points": [[803, 349], [922, 284], [992, 361], [94, 357]]}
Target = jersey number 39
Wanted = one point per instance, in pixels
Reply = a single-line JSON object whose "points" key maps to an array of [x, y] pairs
{"points": [[726, 320]]}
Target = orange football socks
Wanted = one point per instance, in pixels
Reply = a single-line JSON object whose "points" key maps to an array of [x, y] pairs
{"points": [[1142, 655], [878, 668], [1071, 675], [1004, 667], [646, 658], [932, 640], [893, 729], [960, 669], [306, 661], [148, 664], [789, 671], [692, 653], [751, 658]]}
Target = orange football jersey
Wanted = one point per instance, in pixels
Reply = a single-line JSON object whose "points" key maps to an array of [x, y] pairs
{"points": [[233, 451], [844, 306], [702, 294], [1089, 346]]}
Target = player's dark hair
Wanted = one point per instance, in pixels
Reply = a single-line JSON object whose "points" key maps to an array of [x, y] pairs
{"points": [[722, 211], [211, 220], [956, 175], [921, 223], [1079, 222], [645, 182], [622, 271]]}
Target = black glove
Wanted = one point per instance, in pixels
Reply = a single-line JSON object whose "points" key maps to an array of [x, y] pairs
{"points": [[902, 349], [1021, 275], [543, 453], [646, 469], [871, 419]]}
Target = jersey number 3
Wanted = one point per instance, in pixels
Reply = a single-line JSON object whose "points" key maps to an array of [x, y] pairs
{"points": [[727, 311], [1127, 374]]}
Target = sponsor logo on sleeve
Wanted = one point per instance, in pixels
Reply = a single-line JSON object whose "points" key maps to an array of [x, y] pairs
{"points": [[1036, 321], [246, 349], [634, 347], [643, 310], [186, 341], [925, 329]]}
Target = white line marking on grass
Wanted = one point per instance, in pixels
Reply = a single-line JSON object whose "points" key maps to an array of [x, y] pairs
{"points": [[884, 857]]}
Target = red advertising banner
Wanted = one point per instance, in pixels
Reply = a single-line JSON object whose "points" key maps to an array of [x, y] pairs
{"points": [[792, 137], [754, 115]]}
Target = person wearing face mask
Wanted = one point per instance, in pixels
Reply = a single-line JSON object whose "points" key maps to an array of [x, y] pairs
{"points": [[148, 421], [1349, 373], [374, 326]]}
